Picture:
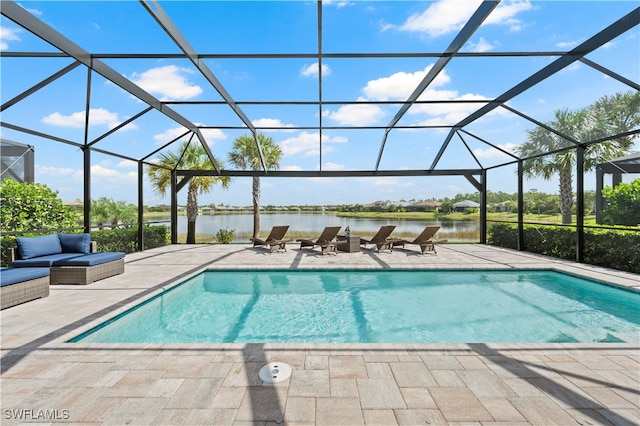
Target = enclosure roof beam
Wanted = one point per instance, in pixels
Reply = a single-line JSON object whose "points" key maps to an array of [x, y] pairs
{"points": [[496, 147], [611, 74], [331, 173], [158, 13], [612, 31], [40, 85], [346, 55], [478, 17], [32, 24], [120, 126], [39, 134], [473, 181], [165, 145], [443, 147], [319, 58], [538, 123]]}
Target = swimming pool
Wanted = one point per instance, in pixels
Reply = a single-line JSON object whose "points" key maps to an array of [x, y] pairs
{"points": [[389, 306]]}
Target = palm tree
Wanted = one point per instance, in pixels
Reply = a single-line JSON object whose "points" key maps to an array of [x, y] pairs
{"points": [[245, 156], [108, 211], [188, 157], [608, 116]]}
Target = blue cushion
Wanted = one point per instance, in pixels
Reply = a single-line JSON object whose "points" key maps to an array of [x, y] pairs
{"points": [[90, 259], [47, 261], [75, 243], [9, 276], [30, 247]]}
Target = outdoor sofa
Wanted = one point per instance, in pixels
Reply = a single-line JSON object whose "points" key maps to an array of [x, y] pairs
{"points": [[20, 285], [71, 258]]}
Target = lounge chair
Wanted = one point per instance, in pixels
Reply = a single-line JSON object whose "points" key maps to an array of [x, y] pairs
{"points": [[424, 240], [275, 240], [326, 240], [381, 239]]}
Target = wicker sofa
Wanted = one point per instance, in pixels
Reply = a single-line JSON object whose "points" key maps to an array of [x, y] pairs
{"points": [[20, 285], [71, 258]]}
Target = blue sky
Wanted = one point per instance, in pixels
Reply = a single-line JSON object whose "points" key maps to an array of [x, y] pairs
{"points": [[290, 27]]}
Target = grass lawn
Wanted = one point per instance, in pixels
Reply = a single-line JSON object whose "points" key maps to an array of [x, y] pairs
{"points": [[497, 217]]}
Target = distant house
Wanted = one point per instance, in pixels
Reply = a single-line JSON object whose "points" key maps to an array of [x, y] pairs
{"points": [[503, 207], [461, 206], [376, 205], [424, 206]]}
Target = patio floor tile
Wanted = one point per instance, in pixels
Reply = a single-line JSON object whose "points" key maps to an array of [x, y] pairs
{"points": [[331, 384]]}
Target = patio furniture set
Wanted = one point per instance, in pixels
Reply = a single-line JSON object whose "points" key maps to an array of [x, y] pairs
{"points": [[330, 241], [38, 262]]}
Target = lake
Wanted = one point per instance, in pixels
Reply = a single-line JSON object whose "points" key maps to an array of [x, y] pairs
{"points": [[315, 223]]}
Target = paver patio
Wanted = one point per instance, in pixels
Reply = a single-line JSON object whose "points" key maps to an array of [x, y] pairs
{"points": [[45, 380]]}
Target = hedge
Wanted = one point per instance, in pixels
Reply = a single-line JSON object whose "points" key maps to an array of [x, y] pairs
{"points": [[125, 239], [616, 249], [120, 239]]}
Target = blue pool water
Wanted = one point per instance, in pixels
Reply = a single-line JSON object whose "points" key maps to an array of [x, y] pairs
{"points": [[380, 306]]}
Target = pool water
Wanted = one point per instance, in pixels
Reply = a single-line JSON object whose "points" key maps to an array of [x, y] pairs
{"points": [[380, 307]]}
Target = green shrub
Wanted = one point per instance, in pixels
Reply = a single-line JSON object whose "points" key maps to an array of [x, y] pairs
{"points": [[623, 204], [125, 239], [32, 206], [225, 236], [617, 249]]}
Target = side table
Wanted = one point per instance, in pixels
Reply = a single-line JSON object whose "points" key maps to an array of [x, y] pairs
{"points": [[348, 243]]}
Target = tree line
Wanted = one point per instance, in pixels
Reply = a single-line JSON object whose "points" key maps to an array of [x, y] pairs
{"points": [[550, 149]]}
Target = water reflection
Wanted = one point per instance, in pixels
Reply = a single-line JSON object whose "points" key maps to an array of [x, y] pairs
{"points": [[315, 223]]}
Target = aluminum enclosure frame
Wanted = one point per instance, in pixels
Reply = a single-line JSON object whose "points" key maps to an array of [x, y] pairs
{"points": [[476, 176]]}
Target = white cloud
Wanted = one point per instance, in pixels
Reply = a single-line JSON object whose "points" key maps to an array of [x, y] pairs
{"points": [[571, 68], [103, 173], [308, 144], [36, 12], [100, 171], [8, 34], [505, 12], [338, 4], [291, 168], [210, 135], [400, 85], [440, 18], [357, 114], [566, 44], [333, 166], [447, 114], [270, 122], [494, 153], [127, 164], [97, 116], [312, 70], [169, 82], [387, 181], [54, 171], [168, 135], [481, 46], [447, 16]]}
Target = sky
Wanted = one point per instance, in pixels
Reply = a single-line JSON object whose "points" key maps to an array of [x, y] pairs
{"points": [[270, 27]]}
